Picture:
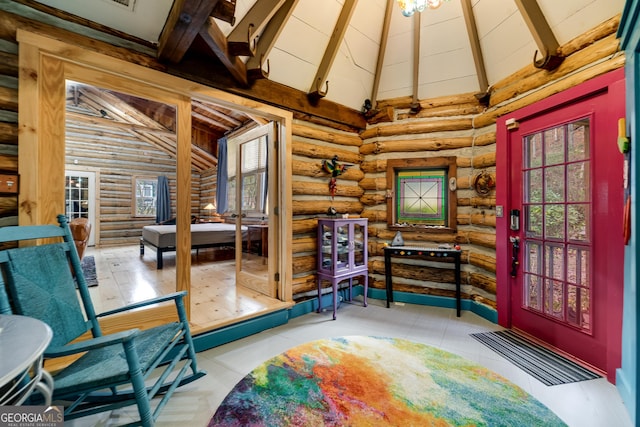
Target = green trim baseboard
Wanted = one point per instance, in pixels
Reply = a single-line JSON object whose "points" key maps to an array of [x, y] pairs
{"points": [[239, 330], [249, 327]]}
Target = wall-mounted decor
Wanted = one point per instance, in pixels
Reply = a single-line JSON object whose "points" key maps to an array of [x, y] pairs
{"points": [[335, 169], [483, 183]]}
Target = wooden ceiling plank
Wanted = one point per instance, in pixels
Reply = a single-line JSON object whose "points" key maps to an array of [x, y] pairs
{"points": [[209, 120], [184, 22], [268, 39], [217, 113], [121, 109], [337, 36], [476, 50], [108, 123], [242, 39], [217, 42]]}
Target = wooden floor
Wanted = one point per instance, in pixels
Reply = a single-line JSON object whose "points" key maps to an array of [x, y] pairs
{"points": [[125, 277]]}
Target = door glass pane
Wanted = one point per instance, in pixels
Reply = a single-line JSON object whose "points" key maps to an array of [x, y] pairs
{"points": [[554, 184], [572, 304], [533, 258], [577, 225], [578, 178], [554, 216], [533, 293], [554, 300], [532, 179], [554, 262], [534, 220], [578, 140], [533, 151], [76, 196], [554, 146]]}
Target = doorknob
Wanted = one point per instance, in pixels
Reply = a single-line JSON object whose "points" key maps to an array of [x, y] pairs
{"points": [[515, 248]]}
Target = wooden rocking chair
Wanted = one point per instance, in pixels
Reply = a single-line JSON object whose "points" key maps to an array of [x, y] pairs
{"points": [[37, 281]]}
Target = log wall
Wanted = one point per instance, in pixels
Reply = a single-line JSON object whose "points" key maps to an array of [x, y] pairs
{"points": [[8, 125]]}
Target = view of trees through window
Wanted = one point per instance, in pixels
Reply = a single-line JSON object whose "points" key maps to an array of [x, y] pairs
{"points": [[253, 168], [557, 209], [145, 194]]}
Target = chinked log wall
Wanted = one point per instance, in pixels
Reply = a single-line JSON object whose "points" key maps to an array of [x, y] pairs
{"points": [[448, 126]]}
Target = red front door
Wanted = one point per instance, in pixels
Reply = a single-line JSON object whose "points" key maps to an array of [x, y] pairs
{"points": [[565, 194]]}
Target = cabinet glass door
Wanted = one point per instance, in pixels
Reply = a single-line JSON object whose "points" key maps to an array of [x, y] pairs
{"points": [[342, 247], [327, 247], [358, 245]]}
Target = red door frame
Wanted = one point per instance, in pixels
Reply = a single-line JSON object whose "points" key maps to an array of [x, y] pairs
{"points": [[613, 83]]}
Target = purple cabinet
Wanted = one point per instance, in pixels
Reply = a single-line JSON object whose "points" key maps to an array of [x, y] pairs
{"points": [[342, 255]]}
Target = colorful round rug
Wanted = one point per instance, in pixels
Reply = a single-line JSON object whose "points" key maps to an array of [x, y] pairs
{"points": [[374, 381]]}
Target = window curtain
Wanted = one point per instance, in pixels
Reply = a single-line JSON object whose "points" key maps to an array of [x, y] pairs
{"points": [[222, 175], [163, 200]]}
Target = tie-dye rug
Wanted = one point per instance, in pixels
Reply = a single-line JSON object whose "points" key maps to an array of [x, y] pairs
{"points": [[374, 381]]}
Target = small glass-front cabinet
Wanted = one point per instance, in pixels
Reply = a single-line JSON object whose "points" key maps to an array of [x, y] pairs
{"points": [[342, 253]]}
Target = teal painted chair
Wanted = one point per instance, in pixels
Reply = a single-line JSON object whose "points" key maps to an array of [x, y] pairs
{"points": [[116, 371]]}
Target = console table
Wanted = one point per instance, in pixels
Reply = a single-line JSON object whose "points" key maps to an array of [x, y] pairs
{"points": [[421, 253], [23, 340]]}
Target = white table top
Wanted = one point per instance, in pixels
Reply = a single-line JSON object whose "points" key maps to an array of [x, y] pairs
{"points": [[22, 341]]}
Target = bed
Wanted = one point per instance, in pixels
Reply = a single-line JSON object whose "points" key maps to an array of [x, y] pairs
{"points": [[162, 238]]}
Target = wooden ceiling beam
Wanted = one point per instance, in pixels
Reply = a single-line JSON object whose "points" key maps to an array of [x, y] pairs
{"points": [[476, 50], [383, 48], [415, 102], [337, 36], [542, 34], [268, 40], [184, 22], [225, 10], [242, 39], [217, 42]]}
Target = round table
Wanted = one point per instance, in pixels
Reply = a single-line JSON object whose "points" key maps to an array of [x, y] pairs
{"points": [[23, 341]]}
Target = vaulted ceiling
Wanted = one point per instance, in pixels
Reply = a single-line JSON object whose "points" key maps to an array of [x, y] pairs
{"points": [[307, 52]]}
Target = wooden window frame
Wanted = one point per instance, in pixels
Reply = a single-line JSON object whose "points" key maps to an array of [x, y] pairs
{"points": [[134, 195], [446, 163]]}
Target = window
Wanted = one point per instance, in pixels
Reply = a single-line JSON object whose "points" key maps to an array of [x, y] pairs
{"points": [[145, 191], [419, 194], [253, 168]]}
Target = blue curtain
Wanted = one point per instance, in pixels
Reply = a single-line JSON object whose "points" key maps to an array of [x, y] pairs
{"points": [[163, 200], [221, 192]]}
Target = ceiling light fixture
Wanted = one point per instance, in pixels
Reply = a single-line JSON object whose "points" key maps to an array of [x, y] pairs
{"points": [[409, 7]]}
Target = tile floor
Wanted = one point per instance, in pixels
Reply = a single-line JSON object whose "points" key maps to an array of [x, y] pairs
{"points": [[594, 403]]}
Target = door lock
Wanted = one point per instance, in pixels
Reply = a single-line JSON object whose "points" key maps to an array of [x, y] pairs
{"points": [[515, 248]]}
